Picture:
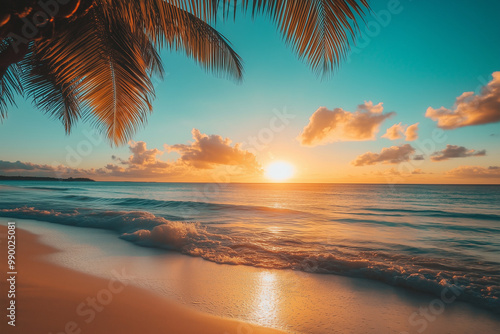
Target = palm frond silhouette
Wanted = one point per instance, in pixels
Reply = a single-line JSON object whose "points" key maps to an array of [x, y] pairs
{"points": [[95, 59]]}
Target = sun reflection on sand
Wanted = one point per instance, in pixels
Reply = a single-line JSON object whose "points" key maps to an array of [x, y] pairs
{"points": [[266, 301]]}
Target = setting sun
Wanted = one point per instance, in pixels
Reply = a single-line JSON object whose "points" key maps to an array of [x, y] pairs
{"points": [[279, 171]]}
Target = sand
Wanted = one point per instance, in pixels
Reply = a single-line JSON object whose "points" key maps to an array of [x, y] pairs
{"points": [[47, 298]]}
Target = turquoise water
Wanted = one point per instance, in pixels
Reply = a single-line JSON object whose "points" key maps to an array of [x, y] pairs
{"points": [[423, 237]]}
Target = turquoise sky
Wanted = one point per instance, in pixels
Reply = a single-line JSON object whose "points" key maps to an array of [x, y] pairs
{"points": [[427, 55]]}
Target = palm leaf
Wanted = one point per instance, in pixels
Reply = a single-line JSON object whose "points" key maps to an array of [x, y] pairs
{"points": [[177, 28], [10, 84], [108, 68], [56, 97], [319, 31], [99, 64], [100, 69]]}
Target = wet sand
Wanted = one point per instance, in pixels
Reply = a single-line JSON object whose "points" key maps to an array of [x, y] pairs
{"points": [[53, 299]]}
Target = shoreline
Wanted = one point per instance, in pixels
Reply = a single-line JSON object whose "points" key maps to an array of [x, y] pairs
{"points": [[54, 299]]}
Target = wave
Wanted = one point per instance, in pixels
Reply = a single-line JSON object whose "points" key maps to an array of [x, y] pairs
{"points": [[12, 187], [435, 213], [193, 205], [420, 226], [50, 188], [217, 244]]}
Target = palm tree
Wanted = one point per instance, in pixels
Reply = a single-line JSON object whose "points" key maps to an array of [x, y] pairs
{"points": [[95, 59]]}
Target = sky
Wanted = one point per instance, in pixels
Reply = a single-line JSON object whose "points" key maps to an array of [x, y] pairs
{"points": [[393, 112]]}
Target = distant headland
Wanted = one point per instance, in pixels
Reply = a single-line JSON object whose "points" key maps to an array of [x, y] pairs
{"points": [[42, 178]]}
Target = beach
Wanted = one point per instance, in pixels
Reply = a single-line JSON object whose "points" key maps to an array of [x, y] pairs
{"points": [[173, 293], [48, 297]]}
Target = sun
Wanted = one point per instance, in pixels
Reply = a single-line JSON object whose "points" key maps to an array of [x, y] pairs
{"points": [[279, 171]]}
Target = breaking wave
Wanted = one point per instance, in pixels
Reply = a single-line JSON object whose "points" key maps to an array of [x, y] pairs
{"points": [[474, 282]]}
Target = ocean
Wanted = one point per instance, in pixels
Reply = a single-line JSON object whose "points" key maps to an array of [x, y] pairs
{"points": [[419, 237]]}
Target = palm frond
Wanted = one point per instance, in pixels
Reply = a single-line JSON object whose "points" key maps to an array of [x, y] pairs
{"points": [[207, 10], [206, 45], [10, 85], [54, 96], [107, 67], [319, 31], [98, 63], [171, 23]]}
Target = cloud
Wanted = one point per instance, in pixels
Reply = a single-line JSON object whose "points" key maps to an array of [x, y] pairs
{"points": [[394, 132], [390, 155], [31, 169], [397, 172], [419, 157], [142, 157], [143, 163], [454, 151], [20, 166], [206, 152], [388, 172], [326, 126], [411, 133], [475, 172], [471, 109], [397, 131]]}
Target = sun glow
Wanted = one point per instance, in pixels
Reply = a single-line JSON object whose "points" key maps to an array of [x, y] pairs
{"points": [[279, 171]]}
